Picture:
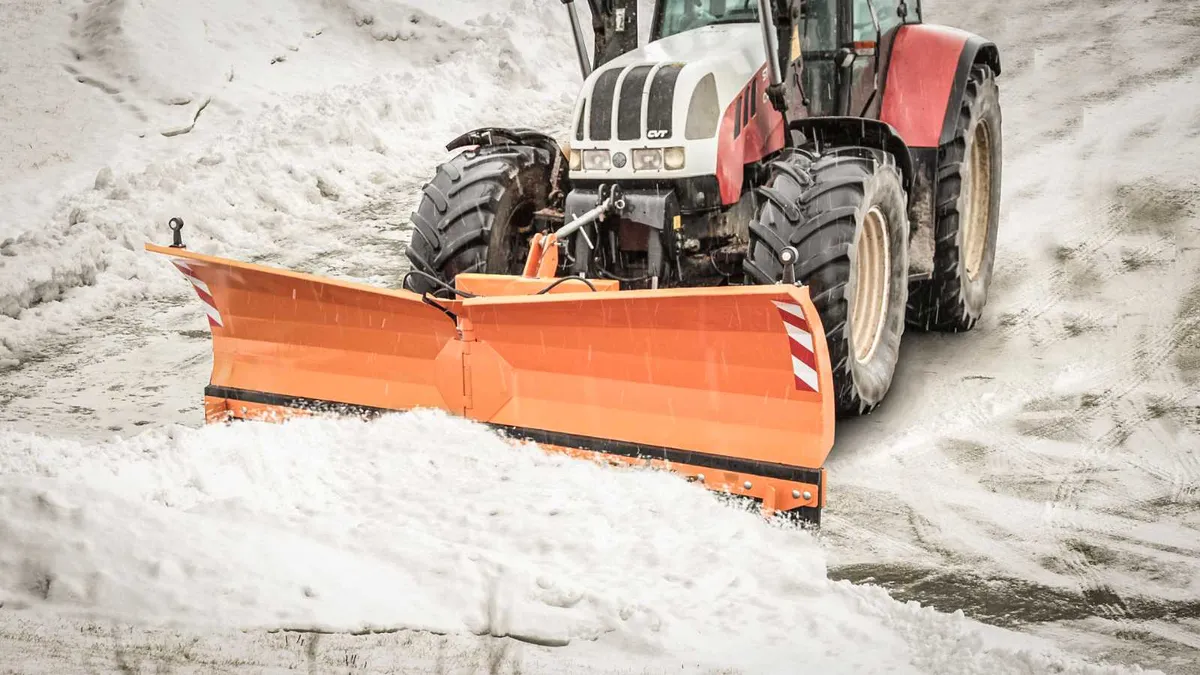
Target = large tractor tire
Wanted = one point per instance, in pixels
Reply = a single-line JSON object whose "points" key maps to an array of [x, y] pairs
{"points": [[477, 214], [967, 214], [845, 214]]}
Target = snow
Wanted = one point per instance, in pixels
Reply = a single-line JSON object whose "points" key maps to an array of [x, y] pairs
{"points": [[421, 522], [282, 157], [1037, 473]]}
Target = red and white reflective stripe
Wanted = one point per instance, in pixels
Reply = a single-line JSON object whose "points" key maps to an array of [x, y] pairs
{"points": [[210, 305], [804, 359]]}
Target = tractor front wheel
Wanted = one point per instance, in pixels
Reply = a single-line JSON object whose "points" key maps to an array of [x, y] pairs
{"points": [[477, 214], [845, 214]]}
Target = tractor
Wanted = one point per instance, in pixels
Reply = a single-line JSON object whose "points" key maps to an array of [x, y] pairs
{"points": [[715, 264], [842, 145]]}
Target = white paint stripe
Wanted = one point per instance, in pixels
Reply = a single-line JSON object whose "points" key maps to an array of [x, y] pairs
{"points": [[794, 310], [200, 284], [799, 335], [213, 313], [191, 276], [806, 374]]}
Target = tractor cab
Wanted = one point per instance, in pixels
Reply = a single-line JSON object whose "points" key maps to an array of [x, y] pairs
{"points": [[828, 49]]}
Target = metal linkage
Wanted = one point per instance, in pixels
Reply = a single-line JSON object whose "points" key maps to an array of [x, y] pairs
{"points": [[614, 200]]}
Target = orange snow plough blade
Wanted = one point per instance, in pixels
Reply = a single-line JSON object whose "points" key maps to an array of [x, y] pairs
{"points": [[730, 386]]}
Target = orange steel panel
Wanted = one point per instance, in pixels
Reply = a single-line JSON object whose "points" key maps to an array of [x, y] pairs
{"points": [[498, 284], [295, 334], [740, 373], [720, 481], [542, 260], [262, 412], [704, 369], [216, 410]]}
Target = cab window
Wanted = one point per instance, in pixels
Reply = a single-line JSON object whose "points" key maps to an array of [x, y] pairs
{"points": [[888, 12], [684, 15]]}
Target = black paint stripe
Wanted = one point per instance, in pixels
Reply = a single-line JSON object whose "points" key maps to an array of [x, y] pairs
{"points": [[675, 455], [746, 109], [737, 117], [601, 105], [629, 110], [297, 402], [604, 445], [662, 99]]}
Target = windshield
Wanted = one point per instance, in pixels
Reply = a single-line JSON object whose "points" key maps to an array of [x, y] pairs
{"points": [[819, 27], [683, 15]]}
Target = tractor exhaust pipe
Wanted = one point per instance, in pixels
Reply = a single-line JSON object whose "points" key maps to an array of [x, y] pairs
{"points": [[767, 23], [585, 63], [775, 88]]}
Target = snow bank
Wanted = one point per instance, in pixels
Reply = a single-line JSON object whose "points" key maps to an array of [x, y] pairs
{"points": [[423, 521], [319, 124]]}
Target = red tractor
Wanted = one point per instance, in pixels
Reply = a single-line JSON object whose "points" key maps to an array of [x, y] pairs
{"points": [[844, 145], [752, 208]]}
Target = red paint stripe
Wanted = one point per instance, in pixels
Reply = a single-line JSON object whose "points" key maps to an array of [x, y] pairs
{"points": [[208, 299], [212, 323], [803, 354], [793, 320], [763, 134], [802, 385], [191, 277]]}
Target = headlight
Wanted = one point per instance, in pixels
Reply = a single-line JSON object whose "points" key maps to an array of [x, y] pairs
{"points": [[576, 160], [597, 160], [647, 159], [674, 158]]}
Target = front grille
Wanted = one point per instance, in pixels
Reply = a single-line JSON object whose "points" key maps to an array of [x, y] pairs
{"points": [[605, 104], [629, 112], [602, 105], [662, 95]]}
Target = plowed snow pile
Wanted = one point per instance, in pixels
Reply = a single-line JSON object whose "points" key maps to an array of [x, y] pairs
{"points": [[1038, 473], [422, 522]]}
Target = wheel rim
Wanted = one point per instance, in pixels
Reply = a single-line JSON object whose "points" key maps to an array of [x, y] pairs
{"points": [[508, 251], [979, 201], [872, 283]]}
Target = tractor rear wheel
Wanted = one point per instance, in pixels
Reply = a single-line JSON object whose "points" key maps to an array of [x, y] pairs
{"points": [[967, 214], [845, 214], [477, 214]]}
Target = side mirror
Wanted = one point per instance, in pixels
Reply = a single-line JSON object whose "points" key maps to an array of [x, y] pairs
{"points": [[844, 57]]}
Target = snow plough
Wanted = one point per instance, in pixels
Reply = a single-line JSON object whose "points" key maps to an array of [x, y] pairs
{"points": [[718, 262]]}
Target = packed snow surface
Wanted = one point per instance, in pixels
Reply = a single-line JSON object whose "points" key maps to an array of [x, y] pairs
{"points": [[419, 521], [1038, 473]]}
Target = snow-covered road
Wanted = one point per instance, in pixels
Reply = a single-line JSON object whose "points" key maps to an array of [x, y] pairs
{"points": [[1041, 473], [1047, 465]]}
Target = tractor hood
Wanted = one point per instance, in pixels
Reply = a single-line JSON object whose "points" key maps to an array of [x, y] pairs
{"points": [[672, 93]]}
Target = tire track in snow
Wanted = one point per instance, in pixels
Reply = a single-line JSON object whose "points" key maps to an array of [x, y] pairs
{"points": [[1049, 471]]}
